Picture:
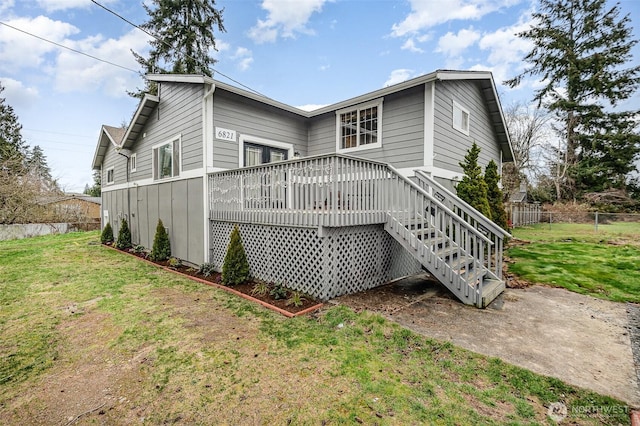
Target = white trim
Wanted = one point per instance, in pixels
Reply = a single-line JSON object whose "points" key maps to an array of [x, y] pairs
{"points": [[207, 147], [433, 171], [189, 174], [171, 141], [261, 141], [133, 160], [113, 175], [458, 106], [373, 103], [429, 123]]}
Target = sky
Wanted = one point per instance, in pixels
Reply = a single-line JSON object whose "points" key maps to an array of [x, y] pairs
{"points": [[305, 53]]}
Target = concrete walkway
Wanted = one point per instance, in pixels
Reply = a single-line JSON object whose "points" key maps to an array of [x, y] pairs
{"points": [[579, 339]]}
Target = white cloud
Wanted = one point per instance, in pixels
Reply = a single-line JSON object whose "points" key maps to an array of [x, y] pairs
{"points": [[285, 18], [55, 5], [311, 107], [244, 57], [16, 94], [399, 75], [426, 14], [410, 45], [6, 5], [78, 73], [454, 44], [19, 50]]}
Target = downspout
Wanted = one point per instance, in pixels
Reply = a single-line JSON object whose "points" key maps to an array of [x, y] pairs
{"points": [[206, 131], [128, 216]]}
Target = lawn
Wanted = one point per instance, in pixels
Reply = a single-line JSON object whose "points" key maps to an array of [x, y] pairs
{"points": [[90, 335], [603, 263]]}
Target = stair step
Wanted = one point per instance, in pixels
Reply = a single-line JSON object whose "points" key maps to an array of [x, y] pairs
{"points": [[490, 290]]}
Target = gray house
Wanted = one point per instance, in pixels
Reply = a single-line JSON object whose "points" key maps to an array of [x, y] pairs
{"points": [[331, 201]]}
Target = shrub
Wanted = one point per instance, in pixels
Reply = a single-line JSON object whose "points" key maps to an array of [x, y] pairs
{"points": [[161, 245], [106, 237], [260, 289], [235, 268], [494, 194], [473, 188], [206, 269], [279, 292], [174, 262], [295, 299], [124, 236]]}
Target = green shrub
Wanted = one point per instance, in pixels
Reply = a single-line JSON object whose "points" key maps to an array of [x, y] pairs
{"points": [[106, 237], [124, 236], [207, 269], [235, 268], [494, 195], [161, 245], [174, 262], [260, 289], [295, 299], [473, 188], [279, 292]]}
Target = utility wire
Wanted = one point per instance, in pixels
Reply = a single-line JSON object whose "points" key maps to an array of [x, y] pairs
{"points": [[169, 45], [68, 48]]}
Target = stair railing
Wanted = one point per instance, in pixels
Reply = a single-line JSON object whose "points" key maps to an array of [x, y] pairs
{"points": [[473, 217]]}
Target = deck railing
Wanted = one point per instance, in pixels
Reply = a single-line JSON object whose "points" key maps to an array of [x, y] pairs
{"points": [[326, 190], [470, 215]]}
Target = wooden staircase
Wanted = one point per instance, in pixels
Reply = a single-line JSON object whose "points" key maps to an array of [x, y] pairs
{"points": [[451, 240]]}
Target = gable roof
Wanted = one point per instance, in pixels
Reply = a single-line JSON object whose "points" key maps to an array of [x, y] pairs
{"points": [[108, 135], [485, 78]]}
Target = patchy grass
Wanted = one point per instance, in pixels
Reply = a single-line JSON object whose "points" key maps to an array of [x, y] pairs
{"points": [[87, 331], [603, 264]]}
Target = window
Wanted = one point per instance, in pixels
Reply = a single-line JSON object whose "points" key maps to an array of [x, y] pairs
{"points": [[132, 163], [109, 175], [166, 159], [460, 118], [360, 127], [255, 154]]}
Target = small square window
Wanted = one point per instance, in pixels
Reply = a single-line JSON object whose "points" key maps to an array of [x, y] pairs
{"points": [[110, 176], [132, 162], [360, 127], [461, 118]]}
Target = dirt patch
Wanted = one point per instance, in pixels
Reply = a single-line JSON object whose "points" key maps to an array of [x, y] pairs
{"points": [[579, 339]]}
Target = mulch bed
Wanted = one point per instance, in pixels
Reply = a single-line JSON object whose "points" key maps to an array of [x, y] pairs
{"points": [[245, 290]]}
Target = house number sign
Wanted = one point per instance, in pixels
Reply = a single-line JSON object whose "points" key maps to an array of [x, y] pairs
{"points": [[225, 134]]}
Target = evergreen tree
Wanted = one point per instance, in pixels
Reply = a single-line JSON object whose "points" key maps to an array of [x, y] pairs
{"points": [[12, 146], [36, 164], [494, 195], [184, 38], [235, 268], [161, 249], [472, 188], [96, 189], [580, 49], [124, 235]]}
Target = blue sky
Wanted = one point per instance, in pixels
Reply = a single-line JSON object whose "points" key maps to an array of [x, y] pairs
{"points": [[303, 53]]}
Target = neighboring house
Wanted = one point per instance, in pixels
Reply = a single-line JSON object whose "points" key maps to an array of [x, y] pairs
{"points": [[327, 201], [75, 207]]}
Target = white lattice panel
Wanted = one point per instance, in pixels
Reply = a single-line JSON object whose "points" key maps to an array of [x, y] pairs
{"points": [[344, 260]]}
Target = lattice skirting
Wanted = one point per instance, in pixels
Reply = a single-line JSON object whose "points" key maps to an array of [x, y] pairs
{"points": [[340, 261]]}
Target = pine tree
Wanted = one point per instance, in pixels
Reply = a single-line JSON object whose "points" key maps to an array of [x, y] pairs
{"points": [[580, 49], [494, 195], [184, 38], [96, 189], [161, 249], [472, 188], [106, 237], [36, 164], [124, 236], [12, 146], [235, 268]]}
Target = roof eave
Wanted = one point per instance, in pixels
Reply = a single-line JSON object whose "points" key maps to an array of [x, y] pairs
{"points": [[142, 114]]}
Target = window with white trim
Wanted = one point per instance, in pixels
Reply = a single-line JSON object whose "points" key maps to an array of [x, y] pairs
{"points": [[360, 127], [109, 176], [132, 162], [461, 118], [166, 159]]}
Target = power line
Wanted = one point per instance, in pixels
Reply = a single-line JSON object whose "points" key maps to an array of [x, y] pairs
{"points": [[169, 45], [68, 48]]}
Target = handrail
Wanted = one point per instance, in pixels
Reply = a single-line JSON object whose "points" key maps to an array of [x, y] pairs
{"points": [[474, 213], [438, 202]]}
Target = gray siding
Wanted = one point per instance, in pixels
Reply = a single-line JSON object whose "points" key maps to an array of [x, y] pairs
{"points": [[179, 205], [179, 113], [450, 145], [402, 131], [119, 164], [248, 117]]}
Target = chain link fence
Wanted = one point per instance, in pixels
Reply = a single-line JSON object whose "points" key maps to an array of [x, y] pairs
{"points": [[591, 218]]}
